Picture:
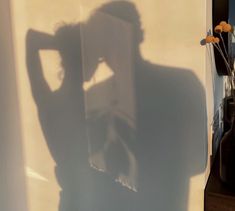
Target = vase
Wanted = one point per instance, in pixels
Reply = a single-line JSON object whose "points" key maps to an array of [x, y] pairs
{"points": [[227, 156], [228, 113]]}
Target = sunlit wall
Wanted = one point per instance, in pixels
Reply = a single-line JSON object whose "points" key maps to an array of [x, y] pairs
{"points": [[112, 99]]}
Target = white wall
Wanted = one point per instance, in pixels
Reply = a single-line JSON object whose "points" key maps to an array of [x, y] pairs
{"points": [[145, 104]]}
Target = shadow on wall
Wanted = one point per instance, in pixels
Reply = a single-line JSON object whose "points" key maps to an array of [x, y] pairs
{"points": [[145, 122]]}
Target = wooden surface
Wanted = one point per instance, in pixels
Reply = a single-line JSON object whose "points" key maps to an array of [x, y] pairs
{"points": [[218, 197]]}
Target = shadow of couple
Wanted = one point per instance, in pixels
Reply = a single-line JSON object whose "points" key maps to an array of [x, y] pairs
{"points": [[140, 124]]}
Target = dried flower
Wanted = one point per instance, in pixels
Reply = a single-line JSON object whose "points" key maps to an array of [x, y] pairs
{"points": [[218, 29], [222, 23], [227, 28], [209, 39], [219, 45], [216, 40]]}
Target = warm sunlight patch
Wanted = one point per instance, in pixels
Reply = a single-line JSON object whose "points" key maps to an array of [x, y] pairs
{"points": [[196, 190], [52, 70], [35, 175], [103, 72]]}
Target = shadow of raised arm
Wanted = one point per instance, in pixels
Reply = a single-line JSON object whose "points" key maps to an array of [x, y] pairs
{"points": [[36, 41]]}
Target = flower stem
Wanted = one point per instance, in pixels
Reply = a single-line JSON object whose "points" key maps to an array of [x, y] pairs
{"points": [[232, 34], [228, 68], [223, 45]]}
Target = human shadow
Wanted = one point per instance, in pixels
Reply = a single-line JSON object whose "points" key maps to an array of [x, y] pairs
{"points": [[146, 123]]}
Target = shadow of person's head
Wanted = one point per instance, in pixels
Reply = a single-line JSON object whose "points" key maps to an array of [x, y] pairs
{"points": [[67, 39], [114, 24], [124, 11]]}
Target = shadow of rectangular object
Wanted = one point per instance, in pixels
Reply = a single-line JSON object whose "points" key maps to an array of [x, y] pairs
{"points": [[218, 197]]}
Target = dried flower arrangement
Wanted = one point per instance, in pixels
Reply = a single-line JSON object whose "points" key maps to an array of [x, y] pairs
{"points": [[224, 27]]}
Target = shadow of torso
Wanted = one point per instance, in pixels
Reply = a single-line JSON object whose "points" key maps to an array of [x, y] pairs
{"points": [[62, 118], [170, 145], [171, 134]]}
